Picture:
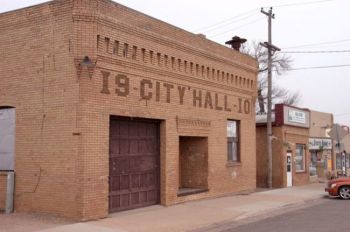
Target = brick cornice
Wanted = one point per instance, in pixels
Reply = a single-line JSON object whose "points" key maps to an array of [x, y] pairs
{"points": [[166, 41]]}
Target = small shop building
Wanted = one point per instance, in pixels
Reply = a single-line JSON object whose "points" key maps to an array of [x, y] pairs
{"points": [[320, 145], [290, 153], [110, 109], [341, 145]]}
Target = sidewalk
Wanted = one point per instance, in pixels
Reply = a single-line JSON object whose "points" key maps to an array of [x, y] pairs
{"points": [[199, 214]]}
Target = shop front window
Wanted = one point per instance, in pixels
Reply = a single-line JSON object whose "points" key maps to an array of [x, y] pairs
{"points": [[313, 162], [300, 158]]}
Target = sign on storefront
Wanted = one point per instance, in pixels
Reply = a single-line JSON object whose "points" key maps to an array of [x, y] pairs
{"points": [[296, 116], [320, 144]]}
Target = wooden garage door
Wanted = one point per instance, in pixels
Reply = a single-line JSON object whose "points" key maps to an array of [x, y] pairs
{"points": [[133, 164]]}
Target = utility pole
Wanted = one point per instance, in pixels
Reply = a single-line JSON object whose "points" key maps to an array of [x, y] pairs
{"points": [[271, 48]]}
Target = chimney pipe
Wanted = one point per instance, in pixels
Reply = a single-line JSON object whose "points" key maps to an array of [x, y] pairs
{"points": [[236, 42]]}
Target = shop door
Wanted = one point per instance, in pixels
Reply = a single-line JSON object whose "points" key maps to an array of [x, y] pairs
{"points": [[289, 170], [133, 164]]}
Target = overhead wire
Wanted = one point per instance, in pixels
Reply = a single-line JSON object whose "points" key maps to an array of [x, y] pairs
{"points": [[324, 51], [243, 25], [300, 3], [320, 67], [340, 115], [245, 15], [229, 23], [226, 20], [316, 44]]}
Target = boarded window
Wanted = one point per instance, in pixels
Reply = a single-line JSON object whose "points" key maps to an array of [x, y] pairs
{"points": [[7, 138]]}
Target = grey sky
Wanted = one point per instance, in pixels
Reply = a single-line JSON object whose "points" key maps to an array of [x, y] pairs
{"points": [[296, 23]]}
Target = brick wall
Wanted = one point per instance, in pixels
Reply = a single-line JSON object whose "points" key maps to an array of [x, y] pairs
{"points": [[140, 67], [285, 139], [38, 78], [295, 136]]}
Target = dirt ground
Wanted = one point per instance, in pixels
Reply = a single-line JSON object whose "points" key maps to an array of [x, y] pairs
{"points": [[23, 222]]}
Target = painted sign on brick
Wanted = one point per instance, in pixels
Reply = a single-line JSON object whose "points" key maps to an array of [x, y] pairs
{"points": [[159, 91]]}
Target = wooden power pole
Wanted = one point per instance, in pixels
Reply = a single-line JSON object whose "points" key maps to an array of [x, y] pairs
{"points": [[271, 48]]}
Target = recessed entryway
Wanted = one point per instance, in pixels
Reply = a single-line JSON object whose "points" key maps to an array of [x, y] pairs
{"points": [[193, 165]]}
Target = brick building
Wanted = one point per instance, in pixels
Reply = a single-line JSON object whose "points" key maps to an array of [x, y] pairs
{"points": [[320, 145], [290, 154], [116, 110]]}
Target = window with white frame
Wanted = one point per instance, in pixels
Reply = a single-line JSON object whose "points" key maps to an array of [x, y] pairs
{"points": [[233, 148], [300, 158]]}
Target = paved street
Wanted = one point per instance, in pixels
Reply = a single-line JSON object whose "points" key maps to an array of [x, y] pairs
{"points": [[323, 216]]}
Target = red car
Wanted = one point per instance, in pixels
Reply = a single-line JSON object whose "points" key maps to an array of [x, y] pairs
{"points": [[339, 187]]}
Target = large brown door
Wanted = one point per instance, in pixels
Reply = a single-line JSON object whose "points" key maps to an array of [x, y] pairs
{"points": [[133, 164]]}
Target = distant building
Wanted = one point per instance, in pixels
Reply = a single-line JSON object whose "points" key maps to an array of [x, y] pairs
{"points": [[320, 145], [290, 154], [307, 146], [341, 144]]}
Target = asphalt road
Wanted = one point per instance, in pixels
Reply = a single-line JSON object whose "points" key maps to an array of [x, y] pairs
{"points": [[326, 215]]}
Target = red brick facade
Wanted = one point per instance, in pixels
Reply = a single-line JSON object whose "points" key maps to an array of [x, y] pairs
{"points": [[135, 66]]}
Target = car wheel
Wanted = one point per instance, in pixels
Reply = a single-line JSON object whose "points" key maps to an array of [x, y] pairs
{"points": [[344, 192]]}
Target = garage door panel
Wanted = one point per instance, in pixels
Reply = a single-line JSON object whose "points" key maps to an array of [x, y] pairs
{"points": [[134, 164], [124, 146], [114, 201], [124, 182], [114, 183], [125, 200], [135, 198], [151, 130], [135, 181], [114, 147], [151, 195], [133, 129], [119, 165], [133, 146], [142, 129]]}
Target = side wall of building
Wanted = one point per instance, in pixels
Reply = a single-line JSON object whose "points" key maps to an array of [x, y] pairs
{"points": [[278, 159], [319, 123], [261, 157], [38, 78]]}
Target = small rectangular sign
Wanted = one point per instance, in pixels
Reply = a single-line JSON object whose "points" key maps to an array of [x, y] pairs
{"points": [[296, 116], [320, 144]]}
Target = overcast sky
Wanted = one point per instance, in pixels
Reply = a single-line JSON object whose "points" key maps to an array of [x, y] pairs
{"points": [[322, 23]]}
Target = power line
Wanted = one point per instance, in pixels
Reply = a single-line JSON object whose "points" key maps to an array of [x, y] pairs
{"points": [[227, 20], [320, 67], [303, 3], [246, 24], [229, 23], [315, 44], [340, 115], [329, 51]]}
